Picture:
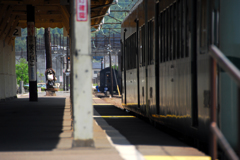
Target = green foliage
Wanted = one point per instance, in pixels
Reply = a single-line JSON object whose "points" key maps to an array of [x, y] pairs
{"points": [[26, 88], [21, 42], [41, 76], [118, 18], [115, 67], [22, 71]]}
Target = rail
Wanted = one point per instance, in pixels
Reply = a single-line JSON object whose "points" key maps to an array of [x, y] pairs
{"points": [[232, 70]]}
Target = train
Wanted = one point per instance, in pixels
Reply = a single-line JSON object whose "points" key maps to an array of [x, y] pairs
{"points": [[165, 64], [104, 79]]}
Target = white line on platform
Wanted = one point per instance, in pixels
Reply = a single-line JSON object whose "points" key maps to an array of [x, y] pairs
{"points": [[126, 150]]}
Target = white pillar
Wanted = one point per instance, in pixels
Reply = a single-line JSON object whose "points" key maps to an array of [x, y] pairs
{"points": [[82, 73]]}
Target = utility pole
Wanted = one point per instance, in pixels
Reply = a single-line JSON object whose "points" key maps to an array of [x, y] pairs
{"points": [[101, 63]]}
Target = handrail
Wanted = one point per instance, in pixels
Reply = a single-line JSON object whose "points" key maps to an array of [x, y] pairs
{"points": [[225, 64], [223, 142], [229, 67]]}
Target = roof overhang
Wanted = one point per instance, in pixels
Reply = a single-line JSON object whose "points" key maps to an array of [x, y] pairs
{"points": [[48, 13]]}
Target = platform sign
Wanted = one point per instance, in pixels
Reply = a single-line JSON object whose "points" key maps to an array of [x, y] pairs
{"points": [[82, 10], [60, 78], [17, 32]]}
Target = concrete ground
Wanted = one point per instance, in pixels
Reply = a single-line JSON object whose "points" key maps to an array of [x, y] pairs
{"points": [[43, 131]]}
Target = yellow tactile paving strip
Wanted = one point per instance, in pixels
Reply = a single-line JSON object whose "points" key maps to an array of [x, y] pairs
{"points": [[115, 116], [177, 157]]}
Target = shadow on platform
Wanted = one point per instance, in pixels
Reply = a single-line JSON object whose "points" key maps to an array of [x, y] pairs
{"points": [[31, 126], [136, 131]]}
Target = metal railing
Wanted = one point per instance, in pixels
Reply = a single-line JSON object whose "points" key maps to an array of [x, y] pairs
{"points": [[219, 58]]}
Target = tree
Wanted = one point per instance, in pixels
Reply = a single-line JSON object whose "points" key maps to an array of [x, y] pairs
{"points": [[22, 71], [115, 67]]}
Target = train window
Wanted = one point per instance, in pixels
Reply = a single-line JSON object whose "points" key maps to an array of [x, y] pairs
{"points": [[171, 33], [179, 29], [140, 46], [166, 35], [131, 52], [203, 30], [182, 28], [160, 37], [174, 31], [150, 41], [151, 92], [122, 55], [128, 55], [134, 51], [188, 19], [131, 60], [125, 54], [143, 46]]}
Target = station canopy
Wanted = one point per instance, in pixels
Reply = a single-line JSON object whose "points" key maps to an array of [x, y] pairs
{"points": [[48, 13]]}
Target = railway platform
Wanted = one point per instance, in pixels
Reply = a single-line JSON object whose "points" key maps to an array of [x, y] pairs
{"points": [[43, 130]]}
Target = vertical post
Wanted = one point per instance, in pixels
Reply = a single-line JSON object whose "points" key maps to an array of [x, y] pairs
{"points": [[67, 77], [238, 122], [213, 140], [116, 59], [31, 45], [146, 54], [111, 73], [124, 66], [60, 44], [104, 60], [81, 73], [64, 66], [110, 64], [101, 63], [48, 48]]}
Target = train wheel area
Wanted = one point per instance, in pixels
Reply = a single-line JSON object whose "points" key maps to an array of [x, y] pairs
{"points": [[137, 139]]}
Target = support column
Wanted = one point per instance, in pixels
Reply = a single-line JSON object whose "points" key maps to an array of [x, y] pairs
{"points": [[67, 70], [81, 74], [32, 64], [48, 48]]}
